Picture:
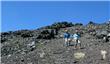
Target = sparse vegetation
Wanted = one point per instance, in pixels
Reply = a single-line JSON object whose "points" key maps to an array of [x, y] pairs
{"points": [[58, 25], [26, 46]]}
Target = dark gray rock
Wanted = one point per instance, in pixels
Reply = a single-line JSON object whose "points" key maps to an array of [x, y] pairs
{"points": [[39, 47]]}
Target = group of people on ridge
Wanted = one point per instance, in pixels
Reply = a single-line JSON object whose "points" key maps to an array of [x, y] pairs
{"points": [[68, 38]]}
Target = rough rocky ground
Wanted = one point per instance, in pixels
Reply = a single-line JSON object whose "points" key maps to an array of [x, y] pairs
{"points": [[53, 51]]}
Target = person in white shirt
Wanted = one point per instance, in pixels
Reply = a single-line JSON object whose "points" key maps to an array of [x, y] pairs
{"points": [[76, 38]]}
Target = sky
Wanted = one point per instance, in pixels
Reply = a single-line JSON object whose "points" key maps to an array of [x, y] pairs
{"points": [[18, 15]]}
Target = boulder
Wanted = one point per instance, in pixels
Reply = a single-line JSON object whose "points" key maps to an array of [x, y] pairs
{"points": [[100, 34]]}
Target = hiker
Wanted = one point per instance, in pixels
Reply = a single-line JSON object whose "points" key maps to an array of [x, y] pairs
{"points": [[66, 38], [76, 38]]}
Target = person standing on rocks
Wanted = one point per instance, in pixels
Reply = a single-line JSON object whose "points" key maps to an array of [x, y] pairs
{"points": [[66, 38], [76, 37]]}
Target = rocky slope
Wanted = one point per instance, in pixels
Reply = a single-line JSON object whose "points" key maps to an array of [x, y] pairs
{"points": [[38, 47]]}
